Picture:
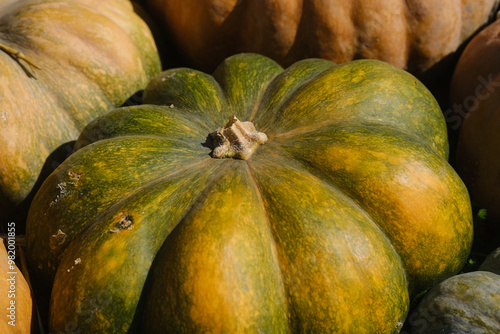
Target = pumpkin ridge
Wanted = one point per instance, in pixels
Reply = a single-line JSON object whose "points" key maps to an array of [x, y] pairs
{"points": [[236, 74], [293, 77], [297, 269], [57, 249], [221, 255], [306, 166], [108, 253], [205, 99], [350, 124], [181, 170], [146, 136], [167, 123], [286, 84], [362, 90], [337, 162]]}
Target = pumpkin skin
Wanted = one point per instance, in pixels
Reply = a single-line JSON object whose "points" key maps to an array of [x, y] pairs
{"points": [[414, 35], [476, 115], [84, 70], [492, 262], [349, 207], [20, 295], [463, 304]]}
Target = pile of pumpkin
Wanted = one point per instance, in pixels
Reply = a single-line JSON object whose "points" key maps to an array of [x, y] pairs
{"points": [[268, 166]]}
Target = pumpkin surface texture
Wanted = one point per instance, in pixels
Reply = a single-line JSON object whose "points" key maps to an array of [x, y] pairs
{"points": [[63, 63], [463, 304], [411, 34], [312, 199], [475, 97]]}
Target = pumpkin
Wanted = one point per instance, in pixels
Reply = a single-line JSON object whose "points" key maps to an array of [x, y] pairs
{"points": [[254, 199], [15, 300], [492, 262], [59, 72], [475, 114], [415, 35], [463, 304]]}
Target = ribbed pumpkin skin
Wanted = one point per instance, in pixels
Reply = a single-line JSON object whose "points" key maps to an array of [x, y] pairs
{"points": [[463, 304], [345, 212], [476, 101], [411, 34], [20, 295], [92, 55]]}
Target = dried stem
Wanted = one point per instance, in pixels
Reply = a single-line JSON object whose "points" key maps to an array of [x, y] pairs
{"points": [[18, 55]]}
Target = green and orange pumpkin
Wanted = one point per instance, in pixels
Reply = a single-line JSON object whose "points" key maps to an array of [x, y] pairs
{"points": [[312, 199], [63, 63]]}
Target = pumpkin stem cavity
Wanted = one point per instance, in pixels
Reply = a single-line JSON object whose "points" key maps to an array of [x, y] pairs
{"points": [[236, 140]]}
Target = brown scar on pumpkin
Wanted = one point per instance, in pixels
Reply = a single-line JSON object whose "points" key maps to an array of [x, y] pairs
{"points": [[57, 239], [125, 223], [75, 175]]}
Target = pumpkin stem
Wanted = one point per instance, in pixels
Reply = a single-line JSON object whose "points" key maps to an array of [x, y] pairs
{"points": [[237, 140], [18, 55]]}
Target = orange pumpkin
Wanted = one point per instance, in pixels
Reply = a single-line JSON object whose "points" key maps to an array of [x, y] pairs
{"points": [[15, 294], [412, 34], [475, 100]]}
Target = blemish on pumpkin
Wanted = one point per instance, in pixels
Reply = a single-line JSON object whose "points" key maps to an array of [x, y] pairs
{"points": [[3, 115], [63, 192], [78, 261], [57, 239], [124, 223], [75, 176]]}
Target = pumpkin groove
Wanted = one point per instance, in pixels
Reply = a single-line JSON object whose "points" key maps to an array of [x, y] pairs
{"points": [[120, 254], [417, 35], [279, 242]]}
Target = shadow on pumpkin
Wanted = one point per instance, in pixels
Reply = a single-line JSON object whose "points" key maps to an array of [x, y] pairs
{"points": [[19, 213]]}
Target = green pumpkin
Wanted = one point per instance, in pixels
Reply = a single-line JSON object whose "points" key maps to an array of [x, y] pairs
{"points": [[463, 304], [63, 63], [256, 199]]}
